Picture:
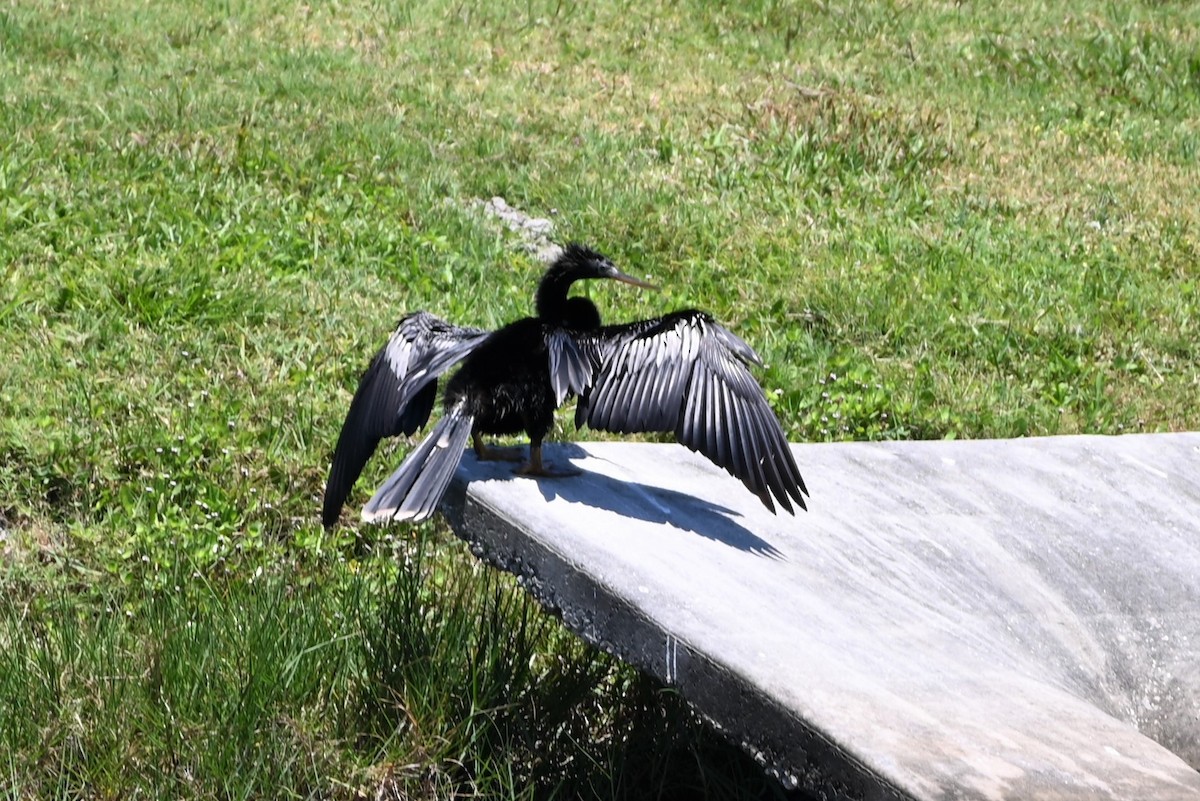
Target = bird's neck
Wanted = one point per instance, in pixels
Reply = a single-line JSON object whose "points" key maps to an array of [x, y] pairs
{"points": [[551, 300]]}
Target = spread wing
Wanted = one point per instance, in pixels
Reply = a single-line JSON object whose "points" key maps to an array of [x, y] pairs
{"points": [[395, 396], [686, 374]]}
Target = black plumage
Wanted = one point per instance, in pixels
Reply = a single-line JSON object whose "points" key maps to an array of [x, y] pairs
{"points": [[686, 374], [681, 373], [395, 396]]}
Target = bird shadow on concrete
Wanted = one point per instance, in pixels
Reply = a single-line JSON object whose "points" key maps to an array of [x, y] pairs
{"points": [[644, 502]]}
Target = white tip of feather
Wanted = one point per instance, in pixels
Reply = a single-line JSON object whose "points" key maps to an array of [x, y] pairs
{"points": [[377, 515], [392, 514]]}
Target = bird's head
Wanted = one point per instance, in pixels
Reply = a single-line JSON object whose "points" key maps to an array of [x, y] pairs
{"points": [[579, 262], [576, 263]]}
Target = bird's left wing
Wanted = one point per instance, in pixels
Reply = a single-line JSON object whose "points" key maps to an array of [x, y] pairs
{"points": [[686, 374], [395, 396]]}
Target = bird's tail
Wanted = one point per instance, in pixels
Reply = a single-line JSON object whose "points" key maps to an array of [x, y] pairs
{"points": [[412, 492]]}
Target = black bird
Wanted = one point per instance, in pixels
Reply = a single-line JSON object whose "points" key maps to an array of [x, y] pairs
{"points": [[681, 373]]}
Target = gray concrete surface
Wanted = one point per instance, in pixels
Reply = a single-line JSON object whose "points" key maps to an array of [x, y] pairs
{"points": [[951, 620]]}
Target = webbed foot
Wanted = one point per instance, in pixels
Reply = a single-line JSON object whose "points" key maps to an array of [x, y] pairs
{"points": [[545, 470], [536, 467], [495, 453]]}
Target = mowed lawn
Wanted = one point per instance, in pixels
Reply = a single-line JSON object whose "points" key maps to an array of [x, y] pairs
{"points": [[931, 219]]}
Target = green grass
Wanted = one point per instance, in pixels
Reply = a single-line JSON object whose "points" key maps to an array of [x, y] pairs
{"points": [[933, 220], [427, 679]]}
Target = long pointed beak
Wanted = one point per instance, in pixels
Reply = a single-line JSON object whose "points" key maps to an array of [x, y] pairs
{"points": [[629, 279]]}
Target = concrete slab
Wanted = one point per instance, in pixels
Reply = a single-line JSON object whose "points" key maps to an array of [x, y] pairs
{"points": [[951, 620]]}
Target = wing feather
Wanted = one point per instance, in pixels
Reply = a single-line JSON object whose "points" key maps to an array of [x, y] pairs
{"points": [[395, 396], [570, 367], [767, 465], [684, 373], [712, 423], [621, 404], [743, 461], [648, 413], [416, 487], [727, 412]]}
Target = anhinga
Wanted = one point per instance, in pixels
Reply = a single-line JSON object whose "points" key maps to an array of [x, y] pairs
{"points": [[681, 373]]}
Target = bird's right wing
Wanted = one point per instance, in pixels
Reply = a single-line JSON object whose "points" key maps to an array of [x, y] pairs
{"points": [[686, 374], [395, 396]]}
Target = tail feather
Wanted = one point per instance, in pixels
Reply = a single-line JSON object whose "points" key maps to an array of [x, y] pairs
{"points": [[412, 492]]}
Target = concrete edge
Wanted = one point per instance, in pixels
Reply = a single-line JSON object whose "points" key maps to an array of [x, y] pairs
{"points": [[796, 754]]}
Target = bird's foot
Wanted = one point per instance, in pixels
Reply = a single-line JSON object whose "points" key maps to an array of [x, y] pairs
{"points": [[545, 470], [509, 453]]}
